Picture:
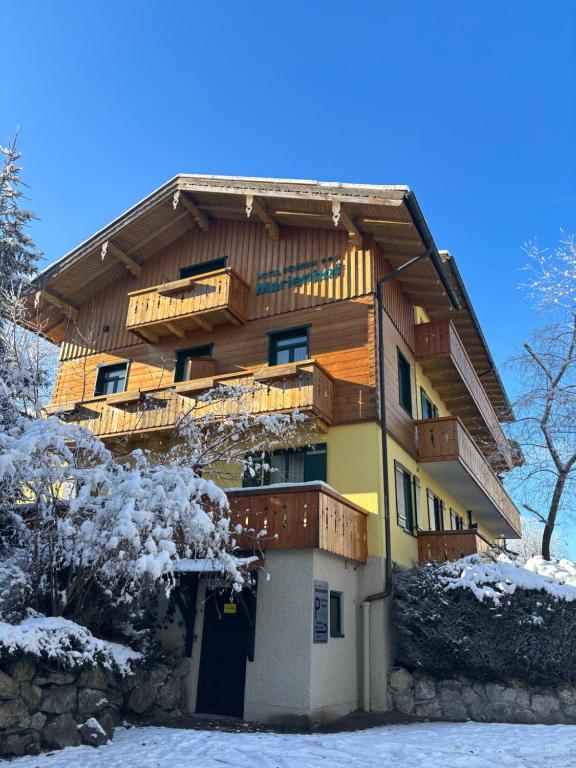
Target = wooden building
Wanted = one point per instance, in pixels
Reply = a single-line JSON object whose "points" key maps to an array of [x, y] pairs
{"points": [[336, 297]]}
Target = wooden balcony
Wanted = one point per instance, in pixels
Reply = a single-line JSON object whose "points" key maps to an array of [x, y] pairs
{"points": [[280, 389], [307, 516], [451, 456], [444, 360], [440, 546], [174, 309]]}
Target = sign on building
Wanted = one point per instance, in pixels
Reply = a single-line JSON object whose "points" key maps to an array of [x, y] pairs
{"points": [[320, 611]]}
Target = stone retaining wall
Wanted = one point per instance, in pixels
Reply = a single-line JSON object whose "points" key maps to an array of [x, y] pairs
{"points": [[461, 699], [43, 708]]}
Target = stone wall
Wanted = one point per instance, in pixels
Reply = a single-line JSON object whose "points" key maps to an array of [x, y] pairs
{"points": [[461, 699], [43, 708]]}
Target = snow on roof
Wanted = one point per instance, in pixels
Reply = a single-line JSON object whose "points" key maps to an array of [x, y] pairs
{"points": [[494, 580], [208, 564]]}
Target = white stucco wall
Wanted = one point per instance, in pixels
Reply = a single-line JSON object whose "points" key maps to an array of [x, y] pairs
{"points": [[278, 680], [335, 679]]}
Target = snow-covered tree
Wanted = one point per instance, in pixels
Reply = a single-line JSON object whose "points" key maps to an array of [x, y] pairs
{"points": [[546, 403], [80, 525]]}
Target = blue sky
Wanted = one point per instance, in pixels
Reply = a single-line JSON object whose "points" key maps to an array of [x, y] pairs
{"points": [[472, 104]]}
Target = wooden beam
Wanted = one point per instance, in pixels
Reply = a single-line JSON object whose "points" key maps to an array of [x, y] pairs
{"points": [[231, 318], [70, 310], [158, 232], [148, 335], [198, 215], [201, 322], [354, 233], [253, 204], [173, 328], [131, 265]]}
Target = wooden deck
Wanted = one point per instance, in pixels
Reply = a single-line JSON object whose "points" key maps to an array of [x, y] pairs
{"points": [[308, 516], [176, 308], [279, 389], [453, 458], [443, 358], [440, 546]]}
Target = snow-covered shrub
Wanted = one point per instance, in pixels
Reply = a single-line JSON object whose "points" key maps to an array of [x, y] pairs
{"points": [[85, 533], [60, 642], [490, 621]]}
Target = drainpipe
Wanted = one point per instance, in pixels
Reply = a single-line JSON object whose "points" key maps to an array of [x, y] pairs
{"points": [[432, 253], [365, 656]]}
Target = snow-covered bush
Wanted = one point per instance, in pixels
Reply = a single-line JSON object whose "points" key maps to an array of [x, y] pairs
{"points": [[490, 621], [86, 534], [59, 642]]}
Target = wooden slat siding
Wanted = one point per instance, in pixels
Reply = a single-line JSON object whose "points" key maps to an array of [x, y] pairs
{"points": [[301, 517], [397, 305], [341, 339], [250, 252], [442, 546], [447, 439], [399, 423], [306, 387], [438, 346]]}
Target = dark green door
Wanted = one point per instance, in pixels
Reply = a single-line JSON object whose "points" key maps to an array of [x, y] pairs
{"points": [[226, 644]]}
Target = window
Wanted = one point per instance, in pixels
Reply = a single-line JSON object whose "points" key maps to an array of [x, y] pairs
{"points": [[407, 498], [184, 361], [429, 410], [110, 379], [435, 512], [203, 267], [404, 383], [456, 522], [288, 346], [336, 614], [295, 465]]}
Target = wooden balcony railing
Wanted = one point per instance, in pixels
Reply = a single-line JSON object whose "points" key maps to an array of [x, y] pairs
{"points": [[449, 452], [202, 301], [280, 389], [440, 546], [445, 361], [307, 516]]}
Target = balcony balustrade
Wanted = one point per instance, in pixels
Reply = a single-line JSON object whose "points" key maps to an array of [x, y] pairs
{"points": [[176, 308]]}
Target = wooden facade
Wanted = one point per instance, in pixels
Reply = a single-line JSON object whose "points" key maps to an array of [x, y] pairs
{"points": [[300, 517], [296, 256]]}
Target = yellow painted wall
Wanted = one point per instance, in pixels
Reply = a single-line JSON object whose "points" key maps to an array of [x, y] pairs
{"points": [[355, 471]]}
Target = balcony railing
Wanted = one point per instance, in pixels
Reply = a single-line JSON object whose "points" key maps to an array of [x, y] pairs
{"points": [[279, 389], [451, 455], [440, 546], [307, 516], [444, 360], [202, 301]]}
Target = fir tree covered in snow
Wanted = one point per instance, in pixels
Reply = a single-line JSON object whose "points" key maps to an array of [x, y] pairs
{"points": [[83, 531]]}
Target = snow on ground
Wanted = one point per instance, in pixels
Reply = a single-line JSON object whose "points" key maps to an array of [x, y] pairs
{"points": [[423, 745]]}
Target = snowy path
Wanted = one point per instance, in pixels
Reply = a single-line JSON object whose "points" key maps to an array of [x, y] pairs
{"points": [[434, 745]]}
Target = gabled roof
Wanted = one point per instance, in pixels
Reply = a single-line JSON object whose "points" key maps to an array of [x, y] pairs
{"points": [[389, 214]]}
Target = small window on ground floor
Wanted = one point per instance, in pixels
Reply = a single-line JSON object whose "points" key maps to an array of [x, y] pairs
{"points": [[111, 379], [204, 266], [435, 512], [336, 626]]}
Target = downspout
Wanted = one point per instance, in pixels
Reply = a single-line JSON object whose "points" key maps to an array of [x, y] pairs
{"points": [[432, 253]]}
